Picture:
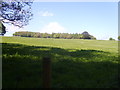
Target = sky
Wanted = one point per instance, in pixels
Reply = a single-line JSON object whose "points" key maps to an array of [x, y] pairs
{"points": [[99, 19]]}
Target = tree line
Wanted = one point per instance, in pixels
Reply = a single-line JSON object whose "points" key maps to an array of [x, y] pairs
{"points": [[84, 35]]}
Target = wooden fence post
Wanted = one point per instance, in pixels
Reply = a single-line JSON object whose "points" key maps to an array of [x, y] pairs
{"points": [[46, 72]]}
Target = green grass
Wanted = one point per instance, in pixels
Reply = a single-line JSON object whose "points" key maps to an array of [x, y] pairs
{"points": [[75, 63]]}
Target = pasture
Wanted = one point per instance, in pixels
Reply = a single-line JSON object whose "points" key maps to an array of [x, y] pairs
{"points": [[75, 63]]}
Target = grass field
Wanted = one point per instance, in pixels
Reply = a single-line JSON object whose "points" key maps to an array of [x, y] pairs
{"points": [[75, 63]]}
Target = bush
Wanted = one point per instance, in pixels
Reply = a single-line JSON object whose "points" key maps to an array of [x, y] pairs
{"points": [[111, 38]]}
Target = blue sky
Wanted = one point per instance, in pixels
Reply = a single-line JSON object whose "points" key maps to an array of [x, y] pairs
{"points": [[100, 19]]}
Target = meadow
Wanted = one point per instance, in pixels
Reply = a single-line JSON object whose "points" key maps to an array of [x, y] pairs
{"points": [[76, 63]]}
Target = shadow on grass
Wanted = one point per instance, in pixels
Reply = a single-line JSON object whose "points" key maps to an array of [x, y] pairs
{"points": [[70, 68]]}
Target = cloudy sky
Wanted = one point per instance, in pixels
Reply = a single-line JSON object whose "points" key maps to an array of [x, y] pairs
{"points": [[100, 19]]}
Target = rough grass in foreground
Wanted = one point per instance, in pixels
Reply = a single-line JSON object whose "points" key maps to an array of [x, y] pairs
{"points": [[75, 63]]}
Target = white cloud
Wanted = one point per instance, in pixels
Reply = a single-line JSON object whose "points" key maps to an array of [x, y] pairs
{"points": [[46, 13], [53, 27]]}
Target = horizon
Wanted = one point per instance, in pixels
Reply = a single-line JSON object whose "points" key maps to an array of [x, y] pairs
{"points": [[97, 18]]}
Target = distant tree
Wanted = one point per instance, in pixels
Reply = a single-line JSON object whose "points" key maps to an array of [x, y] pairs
{"points": [[56, 35], [76, 36], [111, 38], [86, 35], [16, 12], [37, 35]]}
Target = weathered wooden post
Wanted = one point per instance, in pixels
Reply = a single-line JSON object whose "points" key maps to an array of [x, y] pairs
{"points": [[46, 72]]}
